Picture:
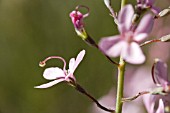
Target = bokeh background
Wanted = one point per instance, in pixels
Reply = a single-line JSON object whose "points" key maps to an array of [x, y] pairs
{"points": [[31, 30]]}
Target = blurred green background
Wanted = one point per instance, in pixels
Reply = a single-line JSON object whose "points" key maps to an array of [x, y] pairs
{"points": [[31, 30]]}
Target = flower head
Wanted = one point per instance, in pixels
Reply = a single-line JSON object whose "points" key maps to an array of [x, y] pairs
{"points": [[59, 75], [127, 43]]}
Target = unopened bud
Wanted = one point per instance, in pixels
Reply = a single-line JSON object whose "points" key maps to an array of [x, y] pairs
{"points": [[107, 3], [163, 13], [165, 38]]}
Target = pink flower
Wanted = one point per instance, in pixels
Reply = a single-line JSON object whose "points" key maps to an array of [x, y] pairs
{"points": [[147, 4], [150, 103], [77, 19], [59, 75], [160, 75], [127, 43]]}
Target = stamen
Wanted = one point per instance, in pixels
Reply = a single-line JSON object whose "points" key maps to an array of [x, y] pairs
{"points": [[43, 63], [82, 6]]}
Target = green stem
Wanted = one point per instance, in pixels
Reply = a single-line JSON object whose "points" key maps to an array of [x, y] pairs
{"points": [[120, 85], [120, 82], [123, 2]]}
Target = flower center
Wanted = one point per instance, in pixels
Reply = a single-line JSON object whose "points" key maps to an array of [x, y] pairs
{"points": [[128, 36]]}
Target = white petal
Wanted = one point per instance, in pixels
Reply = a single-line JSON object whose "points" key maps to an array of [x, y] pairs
{"points": [[161, 108], [71, 63], [78, 60], [47, 85], [149, 102], [133, 53], [53, 73]]}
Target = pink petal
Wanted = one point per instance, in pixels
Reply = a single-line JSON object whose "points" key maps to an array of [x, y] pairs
{"points": [[145, 25], [116, 49], [78, 60], [160, 72], [125, 18], [161, 108], [133, 53], [140, 37], [47, 85], [77, 19], [107, 43], [149, 102], [53, 73]]}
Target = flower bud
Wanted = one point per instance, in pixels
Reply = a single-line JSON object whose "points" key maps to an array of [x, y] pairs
{"points": [[107, 3], [165, 38], [163, 13]]}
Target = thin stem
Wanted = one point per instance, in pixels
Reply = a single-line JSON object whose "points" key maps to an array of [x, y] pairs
{"points": [[134, 97], [120, 86], [123, 2], [83, 91], [150, 41]]}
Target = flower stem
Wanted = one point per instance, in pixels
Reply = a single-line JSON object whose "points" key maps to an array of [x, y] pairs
{"points": [[123, 2], [83, 91], [134, 97], [120, 84]]}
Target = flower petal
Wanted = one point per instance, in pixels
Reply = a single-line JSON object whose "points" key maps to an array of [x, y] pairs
{"points": [[125, 18], [160, 72], [149, 102], [161, 108], [140, 37], [132, 53], [107, 43], [71, 63], [145, 25], [53, 73], [77, 19], [116, 49], [47, 85], [77, 61]]}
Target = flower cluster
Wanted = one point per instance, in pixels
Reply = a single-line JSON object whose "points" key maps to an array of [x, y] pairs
{"points": [[134, 26]]}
